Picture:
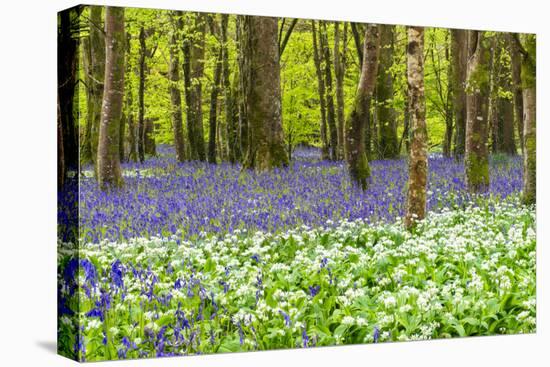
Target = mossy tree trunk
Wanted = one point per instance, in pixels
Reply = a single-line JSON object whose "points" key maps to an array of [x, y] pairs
{"points": [[515, 65], [213, 113], [447, 100], [61, 168], [356, 33], [326, 64], [418, 154], [67, 56], [387, 126], [321, 90], [193, 48], [175, 98], [266, 147], [459, 54], [339, 71], [501, 110], [229, 94], [197, 73], [476, 161], [86, 141], [97, 68], [141, 95], [108, 160], [149, 143], [493, 112], [356, 122], [128, 94], [528, 84]]}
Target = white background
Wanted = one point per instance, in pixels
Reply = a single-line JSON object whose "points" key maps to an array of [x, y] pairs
{"points": [[28, 181]]}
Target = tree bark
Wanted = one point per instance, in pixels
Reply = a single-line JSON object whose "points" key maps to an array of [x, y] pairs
{"points": [[197, 72], [141, 95], [242, 59], [493, 113], [515, 61], [149, 143], [108, 162], [230, 104], [321, 91], [61, 168], [128, 93], [356, 122], [448, 102], [339, 71], [212, 119], [193, 48], [329, 93], [418, 155], [459, 52], [266, 149], [284, 41], [67, 56], [175, 99], [86, 141], [358, 44], [387, 126], [528, 81], [476, 160]]}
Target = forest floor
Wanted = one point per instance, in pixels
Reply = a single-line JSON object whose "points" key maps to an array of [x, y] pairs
{"points": [[199, 258]]}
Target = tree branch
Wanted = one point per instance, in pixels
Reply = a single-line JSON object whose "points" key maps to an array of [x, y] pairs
{"points": [[287, 36]]}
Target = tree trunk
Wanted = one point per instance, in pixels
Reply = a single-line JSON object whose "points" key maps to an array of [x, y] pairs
{"points": [[493, 112], [149, 143], [108, 163], [406, 118], [212, 119], [61, 168], [448, 102], [193, 48], [418, 155], [459, 52], [528, 81], [128, 93], [326, 62], [86, 141], [230, 105], [141, 95], [515, 61], [262, 89], [339, 70], [476, 160], [197, 72], [97, 53], [387, 126], [358, 44], [321, 90], [356, 123], [241, 38], [67, 56], [175, 99], [121, 135]]}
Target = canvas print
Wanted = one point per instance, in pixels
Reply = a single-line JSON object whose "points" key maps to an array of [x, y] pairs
{"points": [[232, 183]]}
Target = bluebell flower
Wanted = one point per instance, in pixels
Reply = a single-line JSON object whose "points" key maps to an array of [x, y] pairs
{"points": [[314, 290], [376, 334], [286, 317], [241, 333], [305, 338], [117, 274], [96, 312]]}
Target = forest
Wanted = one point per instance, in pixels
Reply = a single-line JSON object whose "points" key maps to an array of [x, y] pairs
{"points": [[237, 183]]}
